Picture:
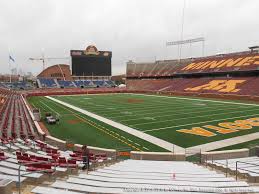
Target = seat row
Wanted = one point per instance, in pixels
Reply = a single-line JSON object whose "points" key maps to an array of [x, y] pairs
{"points": [[247, 166], [53, 83], [223, 85], [15, 119], [144, 176], [234, 62]]}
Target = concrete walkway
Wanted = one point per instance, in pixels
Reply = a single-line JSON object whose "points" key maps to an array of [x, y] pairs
{"points": [[154, 140]]}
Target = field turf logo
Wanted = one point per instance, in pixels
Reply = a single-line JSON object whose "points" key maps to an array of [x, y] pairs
{"points": [[219, 85], [223, 128]]}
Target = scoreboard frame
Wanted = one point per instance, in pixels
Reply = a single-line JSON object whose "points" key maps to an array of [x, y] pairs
{"points": [[91, 62]]}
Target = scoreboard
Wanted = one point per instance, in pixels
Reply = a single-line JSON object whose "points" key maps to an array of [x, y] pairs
{"points": [[91, 62]]}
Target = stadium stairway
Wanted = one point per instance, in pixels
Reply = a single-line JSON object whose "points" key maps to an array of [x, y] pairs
{"points": [[74, 84], [145, 176], [56, 81], [39, 83]]}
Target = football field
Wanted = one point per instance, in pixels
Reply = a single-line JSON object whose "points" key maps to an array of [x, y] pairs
{"points": [[183, 121]]}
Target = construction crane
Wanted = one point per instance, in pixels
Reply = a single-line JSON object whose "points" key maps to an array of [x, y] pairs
{"points": [[43, 59]]}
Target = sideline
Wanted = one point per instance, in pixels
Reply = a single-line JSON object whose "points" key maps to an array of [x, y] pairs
{"points": [[154, 140], [195, 99]]}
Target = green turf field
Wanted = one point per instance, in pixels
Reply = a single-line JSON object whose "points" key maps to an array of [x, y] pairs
{"points": [[78, 128], [159, 116]]}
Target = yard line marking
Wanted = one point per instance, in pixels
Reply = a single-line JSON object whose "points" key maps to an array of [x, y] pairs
{"points": [[123, 137], [149, 118], [198, 123], [200, 104], [139, 109], [192, 117], [120, 104], [145, 148], [151, 103], [41, 106], [201, 100], [181, 113], [49, 108], [111, 108], [145, 109], [180, 108], [95, 125], [130, 140], [152, 139], [137, 144], [33, 105], [126, 113]]}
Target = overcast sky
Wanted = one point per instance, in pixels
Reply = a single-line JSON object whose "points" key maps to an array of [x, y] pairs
{"points": [[131, 29]]}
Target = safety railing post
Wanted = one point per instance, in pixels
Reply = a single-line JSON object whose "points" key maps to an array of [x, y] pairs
{"points": [[212, 161], [19, 172], [206, 159], [19, 179], [200, 157], [236, 169], [226, 167]]}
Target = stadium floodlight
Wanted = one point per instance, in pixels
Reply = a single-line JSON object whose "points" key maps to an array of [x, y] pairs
{"points": [[188, 41]]}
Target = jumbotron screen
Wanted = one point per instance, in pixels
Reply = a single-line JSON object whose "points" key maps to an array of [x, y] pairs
{"points": [[91, 62]]}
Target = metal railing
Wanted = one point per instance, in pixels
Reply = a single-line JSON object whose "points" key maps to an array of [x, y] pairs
{"points": [[94, 164], [30, 163], [215, 162], [226, 166], [193, 155], [250, 171]]}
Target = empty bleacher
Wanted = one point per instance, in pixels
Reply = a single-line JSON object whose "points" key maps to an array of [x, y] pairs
{"points": [[53, 83], [15, 120], [99, 83], [110, 83], [145, 176], [247, 166], [66, 84], [22, 85], [84, 83], [158, 68], [223, 63], [225, 85], [38, 161], [244, 61], [234, 73], [47, 83]]}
